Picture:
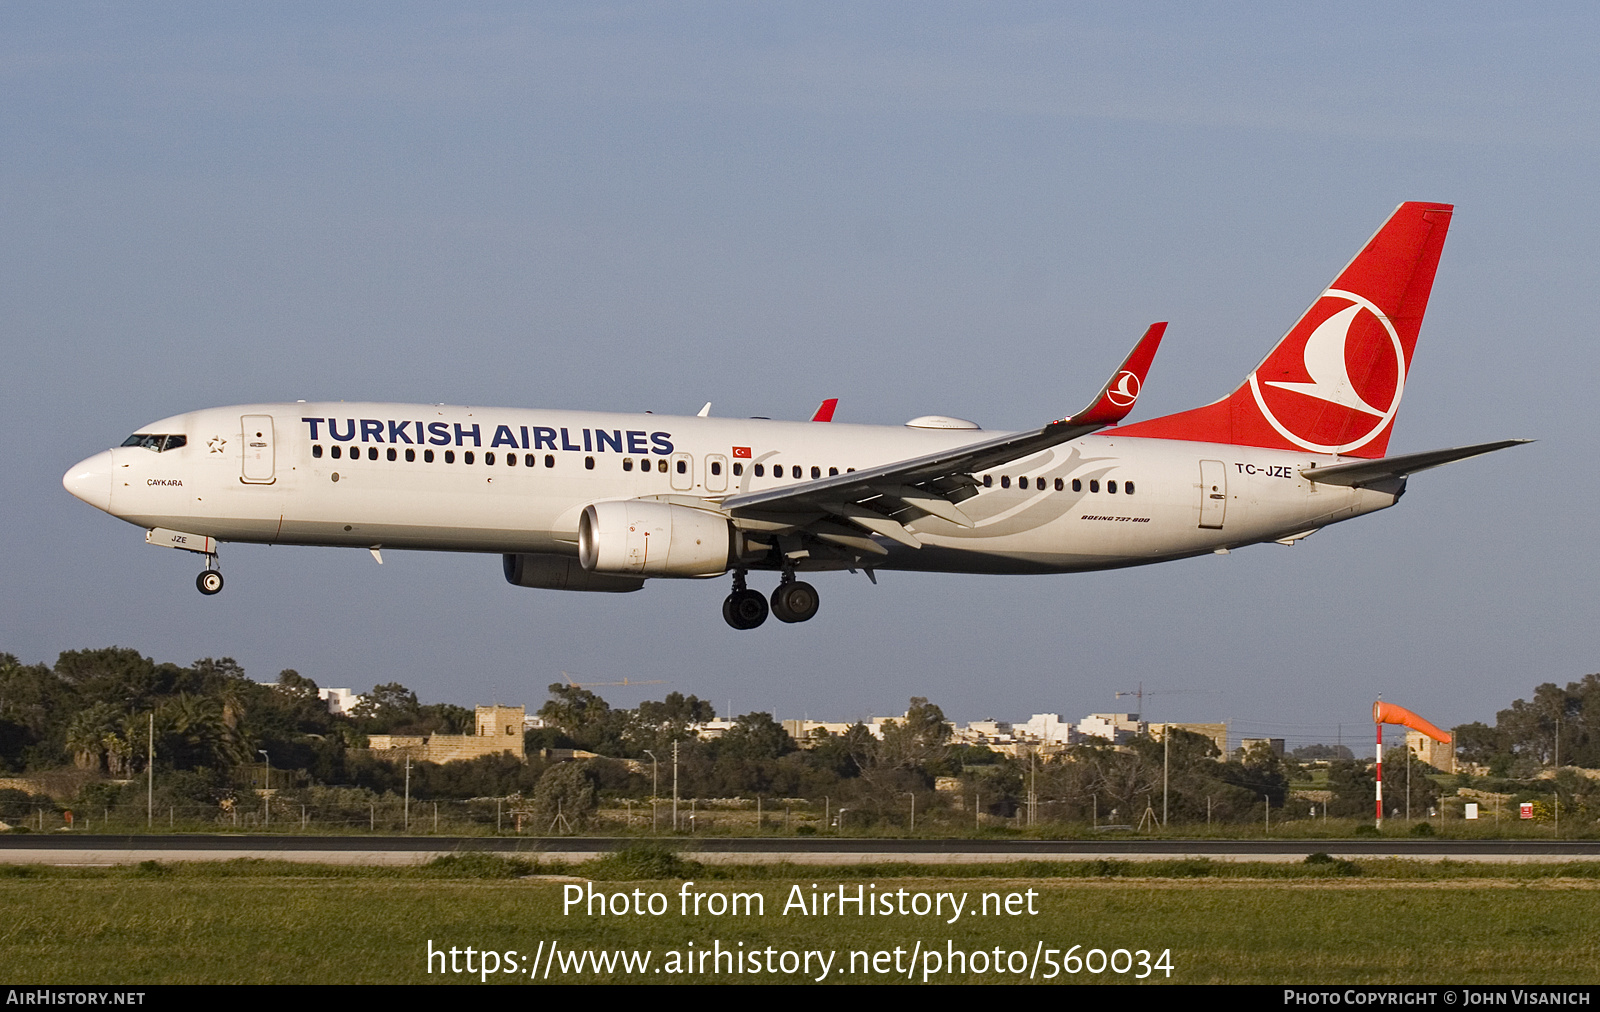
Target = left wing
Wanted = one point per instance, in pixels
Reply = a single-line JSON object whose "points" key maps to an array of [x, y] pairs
{"points": [[846, 509]]}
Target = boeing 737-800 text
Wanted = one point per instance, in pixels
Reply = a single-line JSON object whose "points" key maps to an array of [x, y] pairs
{"points": [[590, 501]]}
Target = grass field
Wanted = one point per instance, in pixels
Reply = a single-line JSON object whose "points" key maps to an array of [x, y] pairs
{"points": [[265, 922]]}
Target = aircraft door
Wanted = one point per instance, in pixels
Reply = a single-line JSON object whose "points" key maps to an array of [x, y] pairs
{"points": [[681, 467], [258, 449], [1213, 493], [716, 475]]}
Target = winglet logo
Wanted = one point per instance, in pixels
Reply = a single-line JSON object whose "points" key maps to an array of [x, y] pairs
{"points": [[1124, 389], [1338, 386]]}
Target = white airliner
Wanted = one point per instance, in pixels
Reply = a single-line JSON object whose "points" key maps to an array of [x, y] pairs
{"points": [[592, 501]]}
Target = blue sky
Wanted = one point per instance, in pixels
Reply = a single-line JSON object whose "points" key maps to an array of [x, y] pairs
{"points": [[956, 209]]}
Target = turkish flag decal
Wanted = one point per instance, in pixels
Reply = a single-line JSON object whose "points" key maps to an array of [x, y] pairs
{"points": [[741, 451]]}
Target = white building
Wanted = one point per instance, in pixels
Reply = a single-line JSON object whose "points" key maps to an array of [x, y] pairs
{"points": [[1116, 728]]}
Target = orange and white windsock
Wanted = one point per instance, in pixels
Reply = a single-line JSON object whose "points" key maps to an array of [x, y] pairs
{"points": [[1388, 713]]}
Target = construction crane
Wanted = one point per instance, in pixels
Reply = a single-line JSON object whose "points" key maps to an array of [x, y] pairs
{"points": [[1139, 694], [626, 681]]}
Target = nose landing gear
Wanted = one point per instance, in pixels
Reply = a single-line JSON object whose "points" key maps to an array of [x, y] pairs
{"points": [[210, 579]]}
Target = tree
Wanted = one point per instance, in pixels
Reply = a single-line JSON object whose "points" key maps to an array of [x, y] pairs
{"points": [[387, 707], [917, 739], [585, 718], [755, 736], [565, 790]]}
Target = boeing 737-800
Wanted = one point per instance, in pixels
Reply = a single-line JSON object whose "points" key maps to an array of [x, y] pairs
{"points": [[590, 501]]}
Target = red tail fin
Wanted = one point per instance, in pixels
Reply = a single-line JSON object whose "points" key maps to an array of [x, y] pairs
{"points": [[1334, 383]]}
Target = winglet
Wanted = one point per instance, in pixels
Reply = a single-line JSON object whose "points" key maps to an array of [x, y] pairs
{"points": [[825, 410], [1121, 391]]}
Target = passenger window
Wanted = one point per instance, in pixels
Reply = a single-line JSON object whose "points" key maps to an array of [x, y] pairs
{"points": [[1005, 481], [832, 471], [528, 460], [488, 458], [716, 467], [1094, 485], [988, 481], [1127, 487], [1077, 485], [627, 463], [467, 457], [449, 456], [316, 449], [816, 472], [549, 460], [738, 469], [335, 451], [761, 470], [588, 463], [1060, 485], [511, 460], [1038, 483], [683, 467], [1111, 487], [427, 456], [662, 466], [1022, 482], [392, 454]]}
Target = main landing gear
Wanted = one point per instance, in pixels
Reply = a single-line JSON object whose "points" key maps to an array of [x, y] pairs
{"points": [[210, 579], [792, 601]]}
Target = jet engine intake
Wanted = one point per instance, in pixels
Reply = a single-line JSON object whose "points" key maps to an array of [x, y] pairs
{"points": [[641, 538]]}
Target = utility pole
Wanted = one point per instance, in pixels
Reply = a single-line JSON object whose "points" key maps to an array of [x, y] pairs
{"points": [[674, 787], [268, 795], [1166, 754], [150, 776], [407, 813]]}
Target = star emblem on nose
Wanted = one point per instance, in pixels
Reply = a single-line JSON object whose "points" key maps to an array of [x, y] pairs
{"points": [[216, 443]]}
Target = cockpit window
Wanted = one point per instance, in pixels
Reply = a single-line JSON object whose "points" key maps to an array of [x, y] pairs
{"points": [[155, 441]]}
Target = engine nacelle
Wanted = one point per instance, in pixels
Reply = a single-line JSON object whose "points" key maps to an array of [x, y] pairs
{"points": [[562, 572], [643, 538]]}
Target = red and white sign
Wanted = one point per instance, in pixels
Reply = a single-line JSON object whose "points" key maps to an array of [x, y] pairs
{"points": [[1527, 809], [741, 451]]}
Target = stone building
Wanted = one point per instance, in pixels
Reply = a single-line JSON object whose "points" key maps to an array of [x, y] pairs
{"points": [[497, 729]]}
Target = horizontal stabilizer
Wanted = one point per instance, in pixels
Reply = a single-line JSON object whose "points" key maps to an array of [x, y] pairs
{"points": [[1368, 472]]}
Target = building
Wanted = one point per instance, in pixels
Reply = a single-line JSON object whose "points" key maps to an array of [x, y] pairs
{"points": [[497, 729], [1275, 744], [340, 701], [1049, 729], [1116, 728], [1218, 733], [1439, 755]]}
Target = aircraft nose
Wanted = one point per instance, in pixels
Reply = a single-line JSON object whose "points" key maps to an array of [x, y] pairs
{"points": [[90, 480]]}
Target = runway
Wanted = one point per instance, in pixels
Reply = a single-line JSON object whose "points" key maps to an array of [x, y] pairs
{"points": [[105, 850]]}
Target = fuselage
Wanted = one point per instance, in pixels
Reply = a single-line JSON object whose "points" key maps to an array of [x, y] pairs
{"points": [[510, 480]]}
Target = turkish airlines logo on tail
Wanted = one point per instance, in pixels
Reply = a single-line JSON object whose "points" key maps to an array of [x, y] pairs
{"points": [[1334, 383], [1124, 389]]}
